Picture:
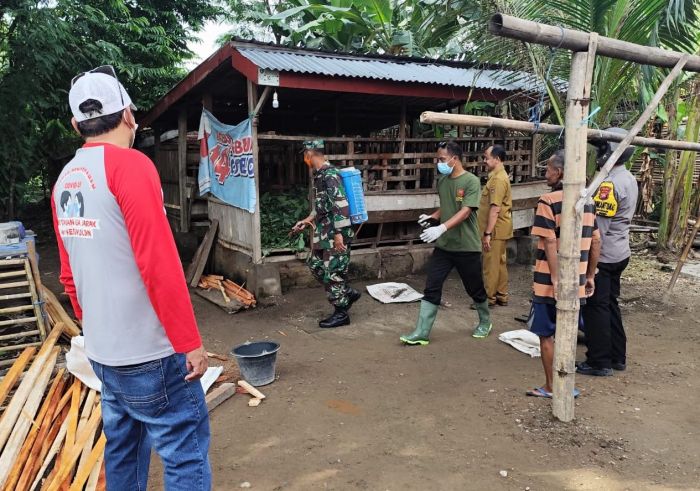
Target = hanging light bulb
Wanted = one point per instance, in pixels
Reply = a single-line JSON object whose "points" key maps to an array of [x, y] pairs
{"points": [[275, 101]]}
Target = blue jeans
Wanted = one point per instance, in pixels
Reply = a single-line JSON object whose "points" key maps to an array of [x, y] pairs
{"points": [[152, 404]]}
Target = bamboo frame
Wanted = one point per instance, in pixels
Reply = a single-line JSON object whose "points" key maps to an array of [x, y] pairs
{"points": [[624, 144], [430, 117], [584, 46]]}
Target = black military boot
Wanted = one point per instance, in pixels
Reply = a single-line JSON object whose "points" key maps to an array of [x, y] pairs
{"points": [[338, 318], [353, 297]]}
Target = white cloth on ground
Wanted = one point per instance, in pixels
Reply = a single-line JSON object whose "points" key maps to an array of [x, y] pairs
{"points": [[522, 340]]}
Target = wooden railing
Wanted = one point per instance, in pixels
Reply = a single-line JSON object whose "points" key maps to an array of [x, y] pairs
{"points": [[387, 165]]}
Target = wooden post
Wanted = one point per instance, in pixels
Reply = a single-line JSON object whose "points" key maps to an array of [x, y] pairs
{"points": [[430, 117], [182, 167], [402, 143], [252, 90], [577, 102]]}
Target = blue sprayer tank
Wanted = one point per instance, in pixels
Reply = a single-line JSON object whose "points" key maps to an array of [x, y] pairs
{"points": [[352, 182]]}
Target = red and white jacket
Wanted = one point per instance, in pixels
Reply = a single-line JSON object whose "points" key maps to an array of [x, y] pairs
{"points": [[119, 263]]}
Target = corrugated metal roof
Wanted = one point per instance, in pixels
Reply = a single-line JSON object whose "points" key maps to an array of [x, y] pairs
{"points": [[340, 65]]}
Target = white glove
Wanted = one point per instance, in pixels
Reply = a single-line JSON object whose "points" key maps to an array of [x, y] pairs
{"points": [[433, 233], [423, 220]]}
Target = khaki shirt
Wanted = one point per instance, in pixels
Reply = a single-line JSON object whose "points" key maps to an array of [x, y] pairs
{"points": [[497, 192]]}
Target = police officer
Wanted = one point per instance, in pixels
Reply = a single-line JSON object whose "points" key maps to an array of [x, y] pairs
{"points": [[330, 219], [496, 225], [615, 200]]}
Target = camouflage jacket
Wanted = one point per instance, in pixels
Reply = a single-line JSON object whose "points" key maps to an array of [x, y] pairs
{"points": [[331, 208]]}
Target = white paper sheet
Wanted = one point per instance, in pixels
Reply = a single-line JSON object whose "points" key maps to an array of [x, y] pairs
{"points": [[393, 293]]}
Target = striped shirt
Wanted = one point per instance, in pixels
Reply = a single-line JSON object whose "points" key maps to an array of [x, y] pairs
{"points": [[547, 221]]}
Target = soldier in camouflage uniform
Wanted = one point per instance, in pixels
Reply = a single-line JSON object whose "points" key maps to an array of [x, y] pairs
{"points": [[330, 219]]}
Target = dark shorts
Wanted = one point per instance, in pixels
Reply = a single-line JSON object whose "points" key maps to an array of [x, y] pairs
{"points": [[543, 319]]}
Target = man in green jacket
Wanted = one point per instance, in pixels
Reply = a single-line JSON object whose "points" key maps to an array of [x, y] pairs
{"points": [[458, 244], [330, 219]]}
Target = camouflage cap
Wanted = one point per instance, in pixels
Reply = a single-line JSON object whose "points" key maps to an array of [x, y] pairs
{"points": [[312, 145]]}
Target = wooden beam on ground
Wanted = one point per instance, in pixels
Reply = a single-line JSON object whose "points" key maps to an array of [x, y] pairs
{"points": [[11, 377], [430, 117], [219, 395], [199, 261], [251, 390], [182, 167], [648, 113], [25, 419], [27, 386], [568, 303], [559, 37], [59, 314]]}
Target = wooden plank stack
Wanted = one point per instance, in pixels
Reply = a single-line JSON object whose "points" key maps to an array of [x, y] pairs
{"points": [[50, 436], [229, 290]]}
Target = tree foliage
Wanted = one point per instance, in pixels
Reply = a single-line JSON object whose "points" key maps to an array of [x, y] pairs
{"points": [[408, 27], [44, 44]]}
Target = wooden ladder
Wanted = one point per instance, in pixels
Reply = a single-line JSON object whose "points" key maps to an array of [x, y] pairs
{"points": [[21, 315]]}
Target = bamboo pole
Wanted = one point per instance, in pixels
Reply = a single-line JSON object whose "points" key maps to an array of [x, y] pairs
{"points": [[568, 303], [430, 117], [25, 419], [12, 412], [648, 113], [682, 259], [559, 37], [11, 377]]}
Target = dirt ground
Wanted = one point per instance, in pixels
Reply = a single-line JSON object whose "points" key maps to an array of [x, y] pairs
{"points": [[353, 409]]}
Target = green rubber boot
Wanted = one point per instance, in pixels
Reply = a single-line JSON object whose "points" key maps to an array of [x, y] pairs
{"points": [[483, 329], [426, 319]]}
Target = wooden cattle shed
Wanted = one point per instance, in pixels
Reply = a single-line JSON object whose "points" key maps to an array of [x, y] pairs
{"points": [[366, 108]]}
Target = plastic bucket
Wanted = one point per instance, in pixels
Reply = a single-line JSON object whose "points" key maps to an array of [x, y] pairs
{"points": [[352, 182], [256, 361]]}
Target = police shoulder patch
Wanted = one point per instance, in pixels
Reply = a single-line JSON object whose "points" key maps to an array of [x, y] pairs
{"points": [[605, 200]]}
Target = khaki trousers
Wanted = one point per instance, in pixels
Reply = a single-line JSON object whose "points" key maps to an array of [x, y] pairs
{"points": [[495, 265]]}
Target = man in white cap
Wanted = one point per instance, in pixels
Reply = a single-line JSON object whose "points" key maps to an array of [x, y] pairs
{"points": [[121, 270]]}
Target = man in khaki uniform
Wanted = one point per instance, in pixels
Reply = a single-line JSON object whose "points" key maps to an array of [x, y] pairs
{"points": [[496, 225]]}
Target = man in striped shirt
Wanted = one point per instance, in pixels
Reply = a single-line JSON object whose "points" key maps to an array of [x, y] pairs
{"points": [[543, 316]]}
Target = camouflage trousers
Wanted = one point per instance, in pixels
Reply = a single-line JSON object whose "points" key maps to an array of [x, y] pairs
{"points": [[330, 268]]}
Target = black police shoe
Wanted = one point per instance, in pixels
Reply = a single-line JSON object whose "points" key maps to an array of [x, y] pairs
{"points": [[339, 318], [618, 366], [353, 296], [584, 368]]}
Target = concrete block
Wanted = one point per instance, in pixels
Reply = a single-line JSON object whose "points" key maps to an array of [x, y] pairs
{"points": [[512, 250], [264, 280]]}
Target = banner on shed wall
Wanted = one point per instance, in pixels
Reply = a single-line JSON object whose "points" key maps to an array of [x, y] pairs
{"points": [[226, 167]]}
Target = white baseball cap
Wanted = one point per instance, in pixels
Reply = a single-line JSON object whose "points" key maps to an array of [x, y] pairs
{"points": [[100, 84]]}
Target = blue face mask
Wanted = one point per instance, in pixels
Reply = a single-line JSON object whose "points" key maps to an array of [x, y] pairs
{"points": [[443, 167]]}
